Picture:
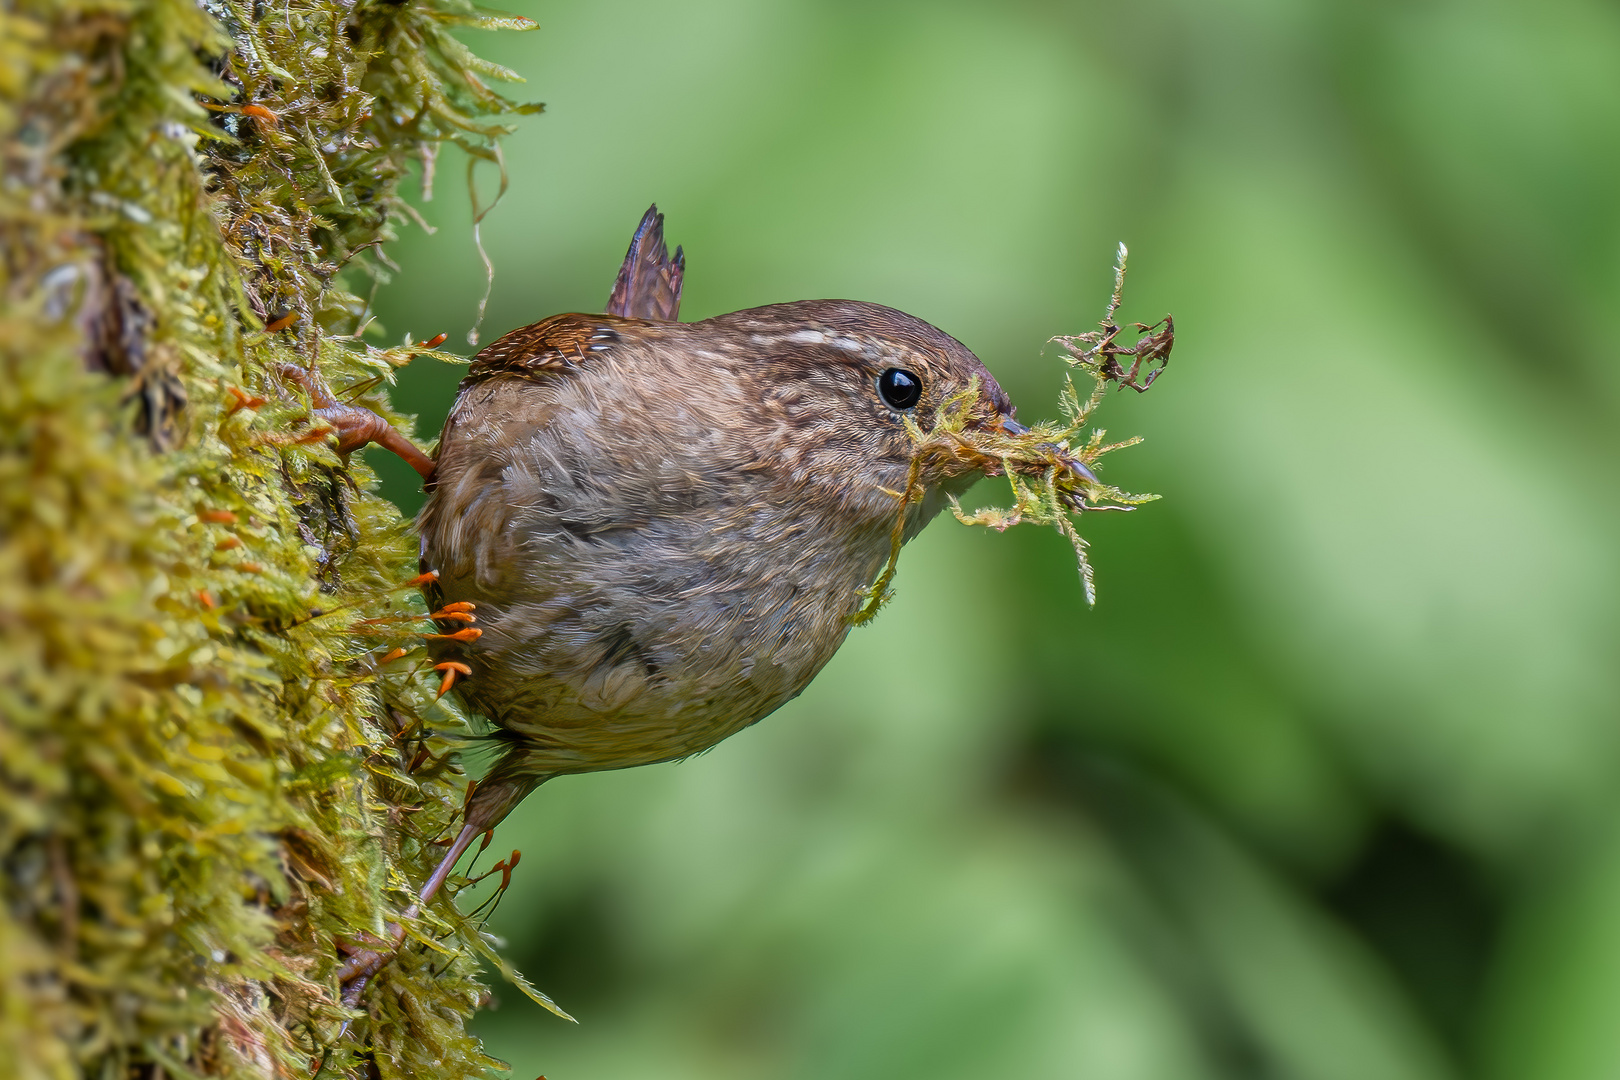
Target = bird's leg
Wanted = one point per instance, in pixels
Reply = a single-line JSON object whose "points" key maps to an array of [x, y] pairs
{"points": [[358, 969], [357, 425], [491, 801]]}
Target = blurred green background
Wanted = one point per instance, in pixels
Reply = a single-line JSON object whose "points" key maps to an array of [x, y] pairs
{"points": [[1328, 785]]}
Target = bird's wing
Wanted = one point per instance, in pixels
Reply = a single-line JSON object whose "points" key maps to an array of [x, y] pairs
{"points": [[550, 345], [649, 283], [648, 288]]}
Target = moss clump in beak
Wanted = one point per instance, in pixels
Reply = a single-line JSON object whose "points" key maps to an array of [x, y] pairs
{"points": [[1050, 465]]}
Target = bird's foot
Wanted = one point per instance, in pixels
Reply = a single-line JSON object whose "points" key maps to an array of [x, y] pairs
{"points": [[363, 961], [356, 425]]}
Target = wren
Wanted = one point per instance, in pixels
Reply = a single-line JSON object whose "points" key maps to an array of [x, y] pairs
{"points": [[666, 527]]}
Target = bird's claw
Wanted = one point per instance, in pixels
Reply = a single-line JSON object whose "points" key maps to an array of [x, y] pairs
{"points": [[356, 425], [363, 961]]}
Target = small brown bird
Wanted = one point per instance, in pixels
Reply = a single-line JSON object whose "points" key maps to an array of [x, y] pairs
{"points": [[666, 527]]}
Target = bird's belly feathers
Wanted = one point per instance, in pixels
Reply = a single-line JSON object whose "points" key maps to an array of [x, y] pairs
{"points": [[627, 619], [625, 656]]}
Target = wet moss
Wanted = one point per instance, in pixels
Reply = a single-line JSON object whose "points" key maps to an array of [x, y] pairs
{"points": [[210, 769]]}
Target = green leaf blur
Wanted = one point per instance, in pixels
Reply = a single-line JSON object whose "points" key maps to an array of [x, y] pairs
{"points": [[1326, 785]]}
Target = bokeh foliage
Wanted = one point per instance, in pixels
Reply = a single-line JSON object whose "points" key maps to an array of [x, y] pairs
{"points": [[209, 773], [1326, 784]]}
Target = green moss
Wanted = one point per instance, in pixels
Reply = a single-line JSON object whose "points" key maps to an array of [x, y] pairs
{"points": [[201, 788]]}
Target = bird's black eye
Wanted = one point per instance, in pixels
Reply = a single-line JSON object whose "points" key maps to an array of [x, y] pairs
{"points": [[901, 389]]}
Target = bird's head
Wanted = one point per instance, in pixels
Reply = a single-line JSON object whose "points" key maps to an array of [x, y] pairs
{"points": [[846, 389]]}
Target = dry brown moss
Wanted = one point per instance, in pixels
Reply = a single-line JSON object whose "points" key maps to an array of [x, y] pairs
{"points": [[203, 780]]}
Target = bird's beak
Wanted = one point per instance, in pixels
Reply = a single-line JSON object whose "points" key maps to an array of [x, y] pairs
{"points": [[1013, 427]]}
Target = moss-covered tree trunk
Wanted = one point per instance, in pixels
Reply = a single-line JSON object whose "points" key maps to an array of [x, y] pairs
{"points": [[212, 770]]}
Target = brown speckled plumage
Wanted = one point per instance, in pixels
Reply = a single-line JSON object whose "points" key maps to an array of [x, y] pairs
{"points": [[665, 527]]}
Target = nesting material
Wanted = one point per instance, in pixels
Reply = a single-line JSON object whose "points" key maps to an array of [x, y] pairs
{"points": [[1049, 466]]}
